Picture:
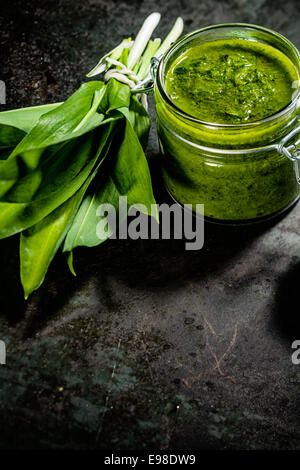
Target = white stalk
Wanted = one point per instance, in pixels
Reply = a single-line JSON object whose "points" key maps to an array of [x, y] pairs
{"points": [[115, 53], [142, 39], [150, 51], [173, 35]]}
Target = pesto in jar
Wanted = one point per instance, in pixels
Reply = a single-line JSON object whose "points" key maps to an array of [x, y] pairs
{"points": [[212, 99], [232, 81]]}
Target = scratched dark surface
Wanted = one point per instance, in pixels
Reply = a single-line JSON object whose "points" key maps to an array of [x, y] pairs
{"points": [[150, 346]]}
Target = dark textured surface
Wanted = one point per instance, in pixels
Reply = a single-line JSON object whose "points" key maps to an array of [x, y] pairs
{"points": [[150, 346]]}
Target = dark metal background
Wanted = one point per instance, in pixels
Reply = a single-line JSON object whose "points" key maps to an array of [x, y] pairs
{"points": [[150, 346]]}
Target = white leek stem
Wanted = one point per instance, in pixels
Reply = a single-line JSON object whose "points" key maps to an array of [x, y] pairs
{"points": [[173, 35], [114, 53], [142, 39], [150, 51]]}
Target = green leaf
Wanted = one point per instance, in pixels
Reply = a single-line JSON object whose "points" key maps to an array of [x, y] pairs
{"points": [[25, 118], [14, 125], [63, 171], [57, 126], [4, 153], [117, 95], [54, 127], [39, 244], [139, 119], [71, 263], [125, 173], [10, 136], [98, 95]]}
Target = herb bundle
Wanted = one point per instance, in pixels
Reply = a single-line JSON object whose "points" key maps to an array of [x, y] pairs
{"points": [[59, 162]]}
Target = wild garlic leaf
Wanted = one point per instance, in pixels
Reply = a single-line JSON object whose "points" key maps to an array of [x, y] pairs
{"points": [[39, 244], [25, 118], [117, 95], [125, 173], [14, 125], [53, 128], [57, 125], [10, 136], [139, 120], [58, 177]]}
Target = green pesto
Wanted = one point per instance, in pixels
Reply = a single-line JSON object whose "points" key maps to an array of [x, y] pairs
{"points": [[237, 82], [231, 81], [236, 189]]}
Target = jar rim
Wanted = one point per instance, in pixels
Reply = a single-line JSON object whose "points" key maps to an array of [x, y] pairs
{"points": [[183, 114]]}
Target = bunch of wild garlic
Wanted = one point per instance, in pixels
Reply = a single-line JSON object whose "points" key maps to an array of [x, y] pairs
{"points": [[59, 162]]}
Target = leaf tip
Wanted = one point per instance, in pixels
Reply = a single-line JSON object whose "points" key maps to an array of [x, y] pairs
{"points": [[71, 264]]}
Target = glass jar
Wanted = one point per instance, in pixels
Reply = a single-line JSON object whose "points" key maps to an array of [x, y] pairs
{"points": [[241, 173]]}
